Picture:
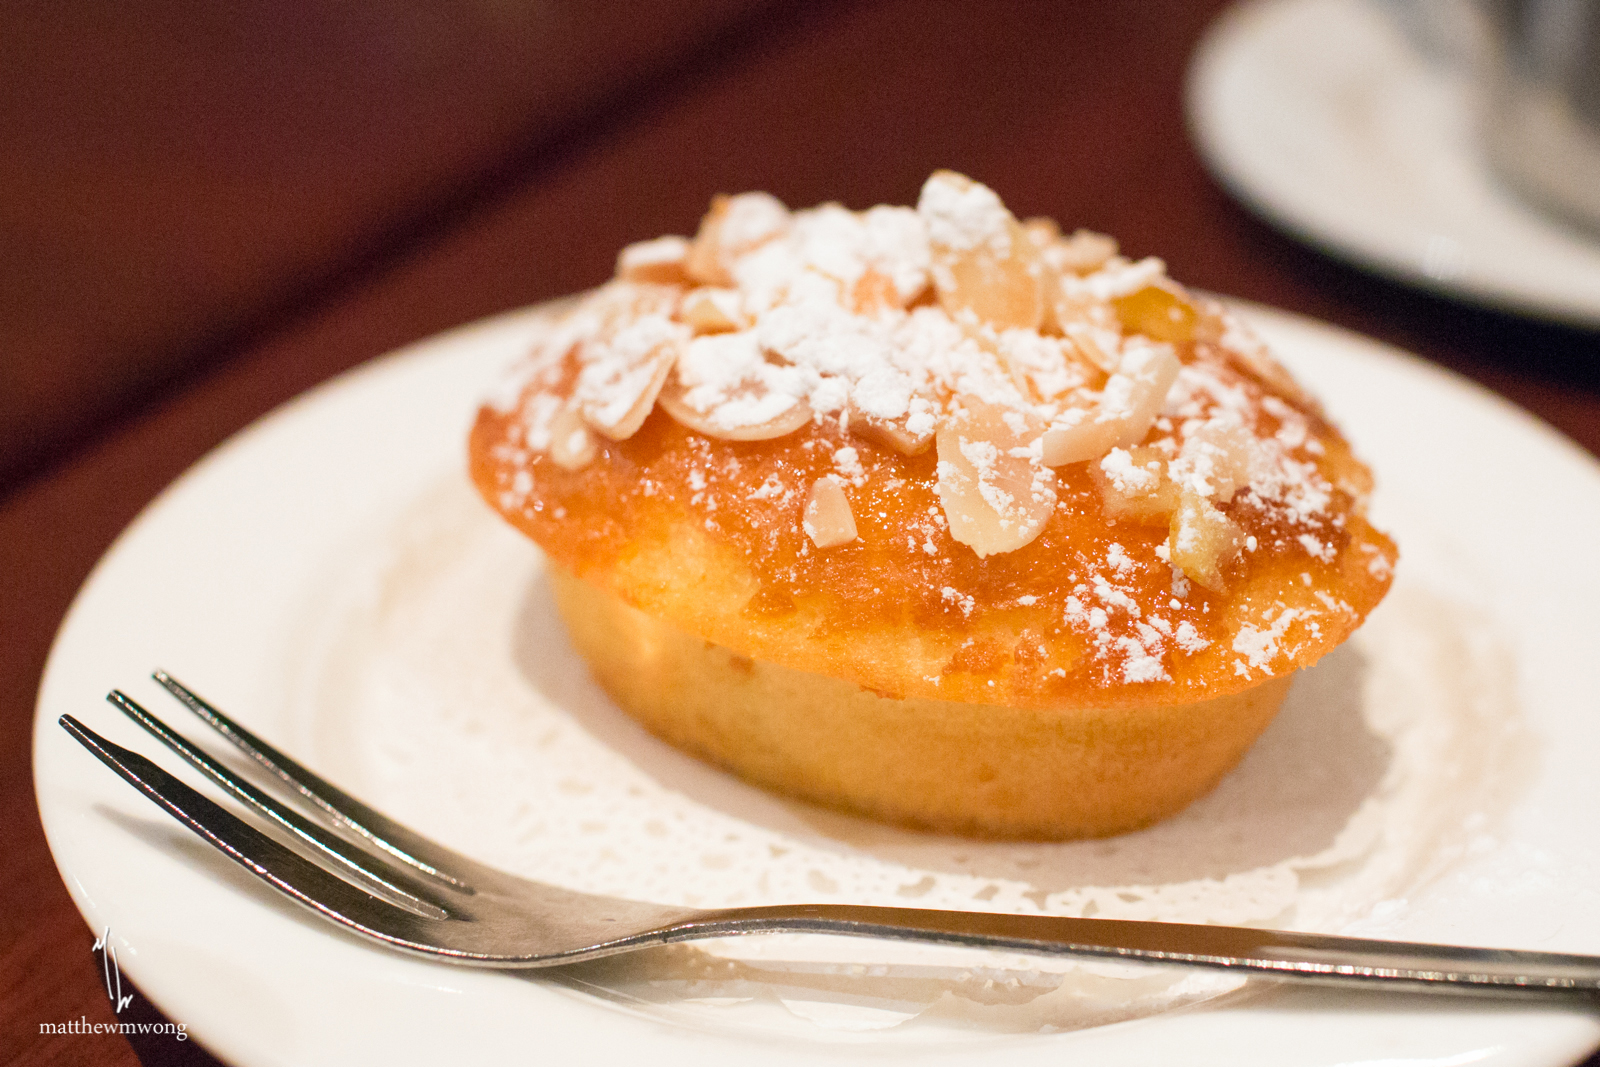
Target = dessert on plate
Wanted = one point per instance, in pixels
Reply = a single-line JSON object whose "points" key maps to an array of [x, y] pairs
{"points": [[933, 514]]}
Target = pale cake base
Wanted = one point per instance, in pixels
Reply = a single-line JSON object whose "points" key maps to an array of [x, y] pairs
{"points": [[978, 769]]}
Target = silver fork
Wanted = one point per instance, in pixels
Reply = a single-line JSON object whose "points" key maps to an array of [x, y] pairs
{"points": [[392, 885]]}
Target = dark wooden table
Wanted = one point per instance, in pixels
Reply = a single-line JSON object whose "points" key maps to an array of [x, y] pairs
{"points": [[1069, 110]]}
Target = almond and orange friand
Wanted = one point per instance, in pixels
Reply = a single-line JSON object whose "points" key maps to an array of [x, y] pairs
{"points": [[932, 514]]}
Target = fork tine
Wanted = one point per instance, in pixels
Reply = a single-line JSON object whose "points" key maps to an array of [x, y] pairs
{"points": [[388, 882], [399, 841], [276, 864]]}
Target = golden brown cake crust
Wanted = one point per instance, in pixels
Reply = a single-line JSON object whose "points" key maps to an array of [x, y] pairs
{"points": [[978, 769], [707, 534], [931, 513]]}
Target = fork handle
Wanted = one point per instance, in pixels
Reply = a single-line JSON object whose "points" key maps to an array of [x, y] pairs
{"points": [[1284, 954]]}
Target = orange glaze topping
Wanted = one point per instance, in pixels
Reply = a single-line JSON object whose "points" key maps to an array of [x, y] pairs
{"points": [[1221, 544]]}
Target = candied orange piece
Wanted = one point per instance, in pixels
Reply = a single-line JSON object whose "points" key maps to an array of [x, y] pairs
{"points": [[1203, 541], [1133, 485]]}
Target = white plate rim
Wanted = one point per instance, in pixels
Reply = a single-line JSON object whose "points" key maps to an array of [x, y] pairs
{"points": [[1223, 53], [410, 987]]}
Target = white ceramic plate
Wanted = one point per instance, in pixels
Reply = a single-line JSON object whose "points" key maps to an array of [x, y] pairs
{"points": [[218, 573], [1319, 115]]}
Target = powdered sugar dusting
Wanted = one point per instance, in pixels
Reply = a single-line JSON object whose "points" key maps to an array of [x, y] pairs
{"points": [[1013, 352], [726, 376], [967, 217], [1259, 647]]}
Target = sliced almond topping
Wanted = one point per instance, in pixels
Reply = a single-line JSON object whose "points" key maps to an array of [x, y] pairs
{"points": [[1133, 484], [572, 446], [996, 494], [711, 309], [828, 520], [1135, 393], [1079, 254], [734, 226], [1216, 459], [1128, 405], [781, 424], [984, 264], [622, 374], [1078, 436], [662, 261], [1089, 322], [723, 387], [891, 409], [739, 331], [614, 305], [1099, 347], [896, 249], [1083, 252], [1040, 231], [884, 433], [619, 414], [1119, 277], [1044, 369], [1203, 541]]}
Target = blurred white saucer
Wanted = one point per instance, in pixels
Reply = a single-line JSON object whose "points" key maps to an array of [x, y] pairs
{"points": [[1321, 116]]}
